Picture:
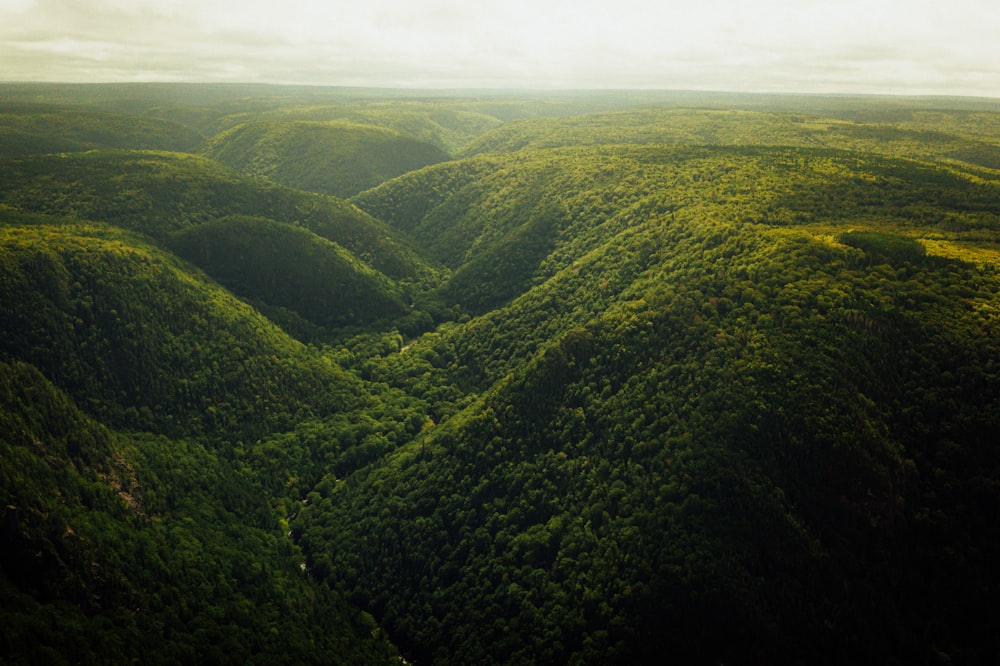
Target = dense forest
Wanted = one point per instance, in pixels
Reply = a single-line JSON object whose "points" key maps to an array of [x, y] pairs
{"points": [[316, 375]]}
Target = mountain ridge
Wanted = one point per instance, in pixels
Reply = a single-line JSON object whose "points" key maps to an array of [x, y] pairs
{"points": [[330, 157], [649, 384]]}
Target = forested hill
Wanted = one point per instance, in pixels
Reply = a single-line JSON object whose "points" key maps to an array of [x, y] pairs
{"points": [[716, 374], [507, 222], [30, 129], [585, 378], [953, 135], [313, 262], [329, 157]]}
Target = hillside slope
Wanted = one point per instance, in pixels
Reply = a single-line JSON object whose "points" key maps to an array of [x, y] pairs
{"points": [[667, 385], [124, 327], [156, 545], [333, 157], [764, 456], [734, 410], [288, 267], [31, 129], [191, 205], [505, 222], [158, 193], [118, 549]]}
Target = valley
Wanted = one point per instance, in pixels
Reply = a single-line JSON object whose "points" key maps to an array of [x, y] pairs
{"points": [[317, 375]]}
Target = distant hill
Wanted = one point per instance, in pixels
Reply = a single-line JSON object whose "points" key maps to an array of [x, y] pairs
{"points": [[964, 136], [333, 157], [159, 193], [34, 130], [448, 123]]}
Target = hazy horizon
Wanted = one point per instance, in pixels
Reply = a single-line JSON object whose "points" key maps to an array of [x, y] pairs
{"points": [[852, 47]]}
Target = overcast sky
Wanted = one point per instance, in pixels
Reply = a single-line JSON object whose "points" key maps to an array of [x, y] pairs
{"points": [[878, 46]]}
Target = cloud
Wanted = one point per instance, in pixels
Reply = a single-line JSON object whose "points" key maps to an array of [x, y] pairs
{"points": [[805, 45]]}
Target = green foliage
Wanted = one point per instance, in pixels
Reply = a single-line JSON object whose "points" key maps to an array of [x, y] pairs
{"points": [[160, 193], [289, 267], [404, 203], [335, 158], [504, 269], [706, 386], [885, 246], [120, 549], [36, 130], [124, 328]]}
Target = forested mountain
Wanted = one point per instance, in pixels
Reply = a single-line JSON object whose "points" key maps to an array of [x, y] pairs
{"points": [[121, 547], [709, 336], [30, 129], [331, 157], [954, 135], [707, 385], [138, 548], [243, 233]]}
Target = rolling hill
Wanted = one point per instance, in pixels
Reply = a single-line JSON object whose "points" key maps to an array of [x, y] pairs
{"points": [[202, 210], [718, 352], [36, 130], [954, 135], [337, 158], [157, 193], [129, 329], [289, 267], [705, 385], [130, 530]]}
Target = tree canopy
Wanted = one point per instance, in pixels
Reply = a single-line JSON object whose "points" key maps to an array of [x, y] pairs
{"points": [[578, 379]]}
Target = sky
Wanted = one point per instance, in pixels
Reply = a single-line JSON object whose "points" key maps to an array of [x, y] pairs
{"points": [[948, 47]]}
